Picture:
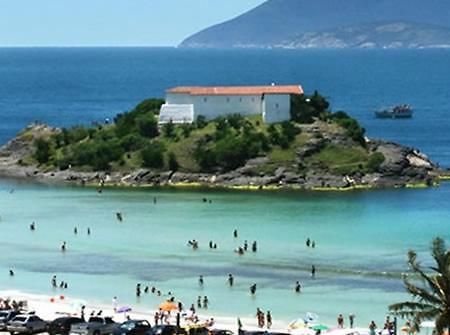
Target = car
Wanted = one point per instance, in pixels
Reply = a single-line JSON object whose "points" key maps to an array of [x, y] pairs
{"points": [[26, 324], [133, 327], [220, 332], [165, 330], [62, 325], [6, 316], [96, 325]]}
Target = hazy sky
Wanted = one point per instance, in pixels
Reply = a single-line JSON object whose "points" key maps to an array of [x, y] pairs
{"points": [[111, 22]]}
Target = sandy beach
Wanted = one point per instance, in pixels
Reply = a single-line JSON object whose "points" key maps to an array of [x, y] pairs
{"points": [[51, 307]]}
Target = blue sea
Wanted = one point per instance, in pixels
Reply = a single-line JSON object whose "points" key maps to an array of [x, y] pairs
{"points": [[361, 237]]}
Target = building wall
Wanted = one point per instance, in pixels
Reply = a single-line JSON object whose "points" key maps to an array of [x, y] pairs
{"points": [[272, 107], [178, 99], [217, 105], [277, 108]]}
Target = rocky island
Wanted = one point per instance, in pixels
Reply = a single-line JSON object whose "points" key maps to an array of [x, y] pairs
{"points": [[316, 150]]}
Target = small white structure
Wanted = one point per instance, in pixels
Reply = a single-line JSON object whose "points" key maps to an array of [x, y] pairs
{"points": [[186, 104]]}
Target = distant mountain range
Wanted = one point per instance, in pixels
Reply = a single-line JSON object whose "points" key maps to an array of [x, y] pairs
{"points": [[333, 24]]}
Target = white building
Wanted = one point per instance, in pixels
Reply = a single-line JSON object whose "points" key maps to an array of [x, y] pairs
{"points": [[185, 104]]}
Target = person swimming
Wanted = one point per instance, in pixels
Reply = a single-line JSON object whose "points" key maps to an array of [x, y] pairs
{"points": [[33, 226], [75, 230], [308, 242], [11, 272], [200, 280], [254, 246], [298, 287], [119, 216], [253, 289]]}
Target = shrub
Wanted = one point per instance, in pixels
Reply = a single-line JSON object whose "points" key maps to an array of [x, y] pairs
{"points": [[42, 150], [132, 142], [173, 163], [147, 125], [169, 130], [374, 162], [201, 123], [153, 155]]}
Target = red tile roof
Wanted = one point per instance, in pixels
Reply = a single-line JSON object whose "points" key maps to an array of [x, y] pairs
{"points": [[238, 90]]}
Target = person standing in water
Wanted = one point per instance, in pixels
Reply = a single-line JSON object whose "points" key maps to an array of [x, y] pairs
{"points": [[269, 319], [235, 233], [33, 226], [253, 289], [230, 280], [298, 287], [200, 280], [313, 272], [63, 246]]}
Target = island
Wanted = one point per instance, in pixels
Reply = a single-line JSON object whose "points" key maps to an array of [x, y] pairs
{"points": [[303, 24], [317, 149]]}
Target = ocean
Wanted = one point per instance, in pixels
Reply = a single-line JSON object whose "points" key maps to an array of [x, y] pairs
{"points": [[362, 237]]}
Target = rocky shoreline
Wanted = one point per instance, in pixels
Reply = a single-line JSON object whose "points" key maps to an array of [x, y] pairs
{"points": [[403, 167]]}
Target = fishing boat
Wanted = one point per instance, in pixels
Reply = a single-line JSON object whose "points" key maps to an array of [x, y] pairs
{"points": [[396, 112]]}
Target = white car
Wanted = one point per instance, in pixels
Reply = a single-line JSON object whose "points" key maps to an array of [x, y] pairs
{"points": [[26, 324]]}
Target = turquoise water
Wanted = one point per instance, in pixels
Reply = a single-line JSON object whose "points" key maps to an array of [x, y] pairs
{"points": [[361, 244]]}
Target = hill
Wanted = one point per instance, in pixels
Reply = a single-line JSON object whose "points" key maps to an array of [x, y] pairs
{"points": [[317, 149], [292, 23]]}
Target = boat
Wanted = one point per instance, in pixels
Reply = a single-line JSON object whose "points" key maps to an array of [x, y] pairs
{"points": [[396, 112]]}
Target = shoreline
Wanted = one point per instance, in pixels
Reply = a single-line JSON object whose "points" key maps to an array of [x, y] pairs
{"points": [[63, 305]]}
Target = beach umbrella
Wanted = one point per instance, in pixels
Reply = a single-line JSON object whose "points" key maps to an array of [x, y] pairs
{"points": [[168, 306], [123, 309]]}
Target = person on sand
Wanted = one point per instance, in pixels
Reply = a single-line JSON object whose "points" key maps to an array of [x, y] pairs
{"points": [[82, 313], [156, 318], [340, 321], [351, 319], [115, 304], [372, 328], [269, 319]]}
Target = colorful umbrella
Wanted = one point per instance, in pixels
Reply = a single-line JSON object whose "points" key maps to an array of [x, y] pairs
{"points": [[168, 306], [123, 309], [319, 327]]}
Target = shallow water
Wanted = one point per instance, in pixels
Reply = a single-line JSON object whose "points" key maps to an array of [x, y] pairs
{"points": [[361, 243]]}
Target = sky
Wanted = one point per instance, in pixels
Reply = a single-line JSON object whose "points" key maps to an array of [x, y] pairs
{"points": [[111, 22]]}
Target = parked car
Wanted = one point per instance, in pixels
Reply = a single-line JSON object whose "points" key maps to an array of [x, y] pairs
{"points": [[96, 325], [133, 327], [165, 330], [220, 332], [6, 316], [26, 324], [62, 325]]}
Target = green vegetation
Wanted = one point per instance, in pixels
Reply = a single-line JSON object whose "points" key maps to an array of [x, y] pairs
{"points": [[431, 293], [135, 140]]}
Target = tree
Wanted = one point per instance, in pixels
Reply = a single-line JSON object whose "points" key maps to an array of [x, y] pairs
{"points": [[153, 155], [43, 150], [173, 163], [431, 299]]}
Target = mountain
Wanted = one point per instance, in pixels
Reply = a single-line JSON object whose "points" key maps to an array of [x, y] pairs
{"points": [[332, 23]]}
